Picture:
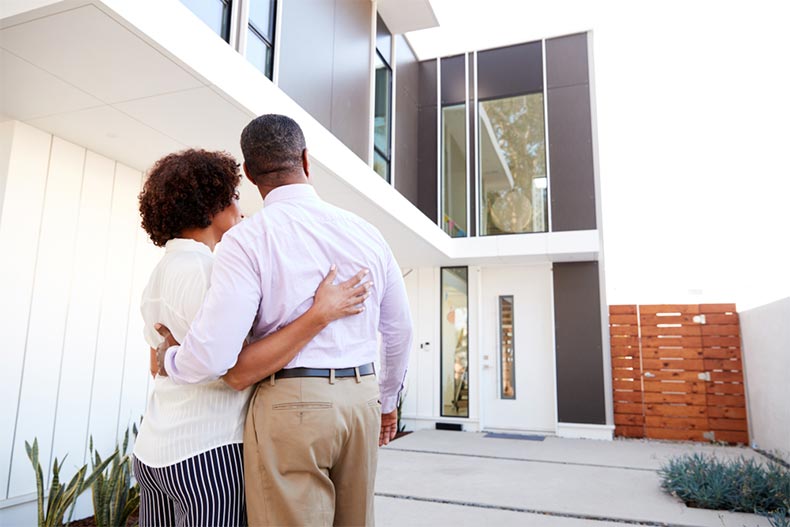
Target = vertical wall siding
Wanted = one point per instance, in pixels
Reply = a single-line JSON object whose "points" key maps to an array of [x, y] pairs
{"points": [[75, 362]]}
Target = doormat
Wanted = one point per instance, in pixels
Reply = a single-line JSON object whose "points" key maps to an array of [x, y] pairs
{"points": [[497, 435]]}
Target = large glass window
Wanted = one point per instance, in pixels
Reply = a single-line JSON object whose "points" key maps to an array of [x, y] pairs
{"points": [[215, 13], [455, 342], [260, 35], [513, 183], [382, 118], [454, 170], [507, 356]]}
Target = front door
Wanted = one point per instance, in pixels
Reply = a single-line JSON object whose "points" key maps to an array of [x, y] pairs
{"points": [[517, 356]]}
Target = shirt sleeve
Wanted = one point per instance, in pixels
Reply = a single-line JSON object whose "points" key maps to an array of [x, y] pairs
{"points": [[395, 326], [215, 337]]}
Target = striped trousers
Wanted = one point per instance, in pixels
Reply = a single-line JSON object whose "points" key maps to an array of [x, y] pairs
{"points": [[206, 490]]}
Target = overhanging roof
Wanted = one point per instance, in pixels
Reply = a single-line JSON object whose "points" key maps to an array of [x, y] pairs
{"points": [[136, 80]]}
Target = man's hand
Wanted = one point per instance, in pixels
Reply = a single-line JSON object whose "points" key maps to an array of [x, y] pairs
{"points": [[389, 427], [167, 343]]}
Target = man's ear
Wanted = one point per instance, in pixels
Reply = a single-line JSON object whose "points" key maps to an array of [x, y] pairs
{"points": [[247, 174], [306, 163]]}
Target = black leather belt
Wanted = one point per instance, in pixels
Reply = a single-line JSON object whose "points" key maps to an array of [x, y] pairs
{"points": [[365, 369]]}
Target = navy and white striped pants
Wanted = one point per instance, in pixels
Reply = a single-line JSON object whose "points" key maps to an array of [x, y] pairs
{"points": [[206, 490]]}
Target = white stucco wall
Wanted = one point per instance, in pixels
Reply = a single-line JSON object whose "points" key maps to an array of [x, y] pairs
{"points": [[765, 332]]}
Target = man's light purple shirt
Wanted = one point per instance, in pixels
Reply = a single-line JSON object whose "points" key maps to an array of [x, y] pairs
{"points": [[265, 275]]}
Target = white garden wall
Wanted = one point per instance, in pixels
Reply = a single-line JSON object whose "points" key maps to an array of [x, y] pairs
{"points": [[765, 335]]}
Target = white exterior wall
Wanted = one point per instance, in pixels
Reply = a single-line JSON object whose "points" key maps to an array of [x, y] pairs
{"points": [[74, 264], [765, 335]]}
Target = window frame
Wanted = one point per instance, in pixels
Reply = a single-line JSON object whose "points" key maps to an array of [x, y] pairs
{"points": [[390, 100], [252, 27], [441, 344]]}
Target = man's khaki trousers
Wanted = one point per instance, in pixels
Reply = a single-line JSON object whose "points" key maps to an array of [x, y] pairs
{"points": [[310, 451]]}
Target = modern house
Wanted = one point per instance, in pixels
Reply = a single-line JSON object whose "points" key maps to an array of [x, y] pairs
{"points": [[480, 170]]}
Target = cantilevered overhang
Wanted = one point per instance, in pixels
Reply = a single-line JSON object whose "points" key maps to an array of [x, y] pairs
{"points": [[402, 16], [134, 80]]}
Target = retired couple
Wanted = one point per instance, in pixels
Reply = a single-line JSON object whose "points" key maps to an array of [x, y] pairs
{"points": [[303, 442]]}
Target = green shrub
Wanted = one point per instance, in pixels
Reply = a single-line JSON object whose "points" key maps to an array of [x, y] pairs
{"points": [[740, 485], [61, 498], [115, 499]]}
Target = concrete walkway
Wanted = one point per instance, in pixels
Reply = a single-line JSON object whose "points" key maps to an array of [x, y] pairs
{"points": [[441, 478]]}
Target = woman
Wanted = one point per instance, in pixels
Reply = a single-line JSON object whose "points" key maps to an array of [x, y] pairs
{"points": [[188, 454]]}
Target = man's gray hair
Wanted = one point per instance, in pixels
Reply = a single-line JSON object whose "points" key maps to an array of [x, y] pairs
{"points": [[272, 144]]}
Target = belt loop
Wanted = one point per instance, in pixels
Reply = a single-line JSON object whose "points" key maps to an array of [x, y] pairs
{"points": [[271, 380], [356, 373], [332, 376]]}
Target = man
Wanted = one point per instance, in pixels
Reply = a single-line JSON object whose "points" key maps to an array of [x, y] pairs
{"points": [[313, 429]]}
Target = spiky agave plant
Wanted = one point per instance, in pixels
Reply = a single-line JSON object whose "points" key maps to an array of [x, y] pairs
{"points": [[61, 498], [115, 498]]}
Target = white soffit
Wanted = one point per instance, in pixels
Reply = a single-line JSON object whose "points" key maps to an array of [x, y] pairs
{"points": [[88, 49], [198, 118], [27, 91], [111, 133], [402, 16]]}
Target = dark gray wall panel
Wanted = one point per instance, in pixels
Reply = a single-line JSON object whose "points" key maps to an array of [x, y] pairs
{"points": [[427, 190], [570, 152], [426, 162], [514, 70], [306, 69], [351, 119], [577, 326], [406, 119], [453, 73], [325, 65], [427, 69], [566, 61]]}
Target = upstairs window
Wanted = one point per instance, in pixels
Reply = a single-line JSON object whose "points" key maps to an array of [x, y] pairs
{"points": [[382, 114], [260, 35], [215, 13]]}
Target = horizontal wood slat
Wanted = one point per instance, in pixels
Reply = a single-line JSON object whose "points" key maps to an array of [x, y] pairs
{"points": [[670, 353], [648, 331], [622, 310], [672, 364], [683, 309]]}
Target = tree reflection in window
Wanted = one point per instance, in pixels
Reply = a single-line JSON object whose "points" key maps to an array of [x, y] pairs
{"points": [[513, 181]]}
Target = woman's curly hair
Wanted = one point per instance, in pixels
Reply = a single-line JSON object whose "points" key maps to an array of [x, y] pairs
{"points": [[185, 190]]}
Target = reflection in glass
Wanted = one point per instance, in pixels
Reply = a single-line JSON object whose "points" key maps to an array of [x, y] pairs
{"points": [[382, 118], [215, 13], [455, 342], [513, 182], [262, 17], [259, 52], [454, 171], [381, 166], [507, 356]]}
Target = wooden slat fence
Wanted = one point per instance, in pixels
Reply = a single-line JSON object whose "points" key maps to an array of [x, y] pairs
{"points": [[677, 372]]}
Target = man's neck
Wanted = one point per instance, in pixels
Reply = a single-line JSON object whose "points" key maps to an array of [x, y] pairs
{"points": [[296, 180]]}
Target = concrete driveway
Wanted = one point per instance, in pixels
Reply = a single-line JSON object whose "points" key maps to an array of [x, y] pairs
{"points": [[442, 478]]}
